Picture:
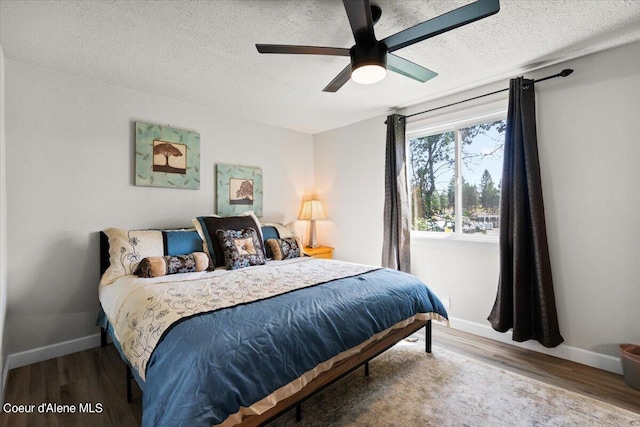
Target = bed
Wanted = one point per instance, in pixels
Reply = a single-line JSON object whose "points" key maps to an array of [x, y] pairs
{"points": [[241, 346]]}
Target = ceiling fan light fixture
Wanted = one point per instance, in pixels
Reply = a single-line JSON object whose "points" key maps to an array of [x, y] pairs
{"points": [[368, 74], [368, 63]]}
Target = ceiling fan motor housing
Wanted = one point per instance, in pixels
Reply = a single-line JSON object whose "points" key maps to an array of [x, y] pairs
{"points": [[368, 54]]}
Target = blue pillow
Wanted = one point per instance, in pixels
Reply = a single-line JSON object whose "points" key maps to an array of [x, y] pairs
{"points": [[181, 242], [270, 232]]}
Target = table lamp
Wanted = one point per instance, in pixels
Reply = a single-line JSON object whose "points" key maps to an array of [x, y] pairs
{"points": [[311, 211]]}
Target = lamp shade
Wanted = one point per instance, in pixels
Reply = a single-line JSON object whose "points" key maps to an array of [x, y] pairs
{"points": [[312, 210]]}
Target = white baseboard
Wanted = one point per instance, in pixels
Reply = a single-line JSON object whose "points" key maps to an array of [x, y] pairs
{"points": [[563, 351], [41, 354], [586, 357]]}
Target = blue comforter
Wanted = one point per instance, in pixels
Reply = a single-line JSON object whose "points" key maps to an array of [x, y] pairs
{"points": [[208, 366]]}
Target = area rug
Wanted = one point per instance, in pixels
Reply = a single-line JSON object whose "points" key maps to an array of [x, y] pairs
{"points": [[408, 387]]}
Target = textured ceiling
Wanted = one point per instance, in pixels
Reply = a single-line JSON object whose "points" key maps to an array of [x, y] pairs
{"points": [[203, 53]]}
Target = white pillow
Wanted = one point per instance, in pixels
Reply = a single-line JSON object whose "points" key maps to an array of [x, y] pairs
{"points": [[127, 248]]}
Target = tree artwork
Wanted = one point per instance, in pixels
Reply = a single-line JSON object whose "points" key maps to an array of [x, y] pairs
{"points": [[241, 191], [167, 150], [166, 157], [238, 188], [245, 191]]}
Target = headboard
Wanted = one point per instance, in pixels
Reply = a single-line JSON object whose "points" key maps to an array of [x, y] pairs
{"points": [[104, 253]]}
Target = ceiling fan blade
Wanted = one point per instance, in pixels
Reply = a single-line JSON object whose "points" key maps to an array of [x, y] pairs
{"points": [[409, 69], [302, 50], [443, 23], [359, 14], [339, 81]]}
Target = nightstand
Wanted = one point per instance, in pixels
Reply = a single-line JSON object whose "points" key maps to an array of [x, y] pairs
{"points": [[319, 252]]}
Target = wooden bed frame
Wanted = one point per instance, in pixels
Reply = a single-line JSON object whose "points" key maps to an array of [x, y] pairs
{"points": [[322, 381], [338, 371]]}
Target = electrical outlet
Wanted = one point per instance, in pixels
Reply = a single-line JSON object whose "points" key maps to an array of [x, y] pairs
{"points": [[446, 301]]}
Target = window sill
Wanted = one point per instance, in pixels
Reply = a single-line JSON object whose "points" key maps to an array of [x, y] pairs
{"points": [[431, 239]]}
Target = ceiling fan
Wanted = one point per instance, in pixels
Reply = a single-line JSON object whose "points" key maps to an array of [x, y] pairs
{"points": [[370, 57]]}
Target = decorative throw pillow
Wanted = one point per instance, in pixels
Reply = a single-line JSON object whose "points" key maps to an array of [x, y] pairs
{"points": [[272, 230], [241, 248], [284, 248], [127, 248], [207, 227], [163, 265]]}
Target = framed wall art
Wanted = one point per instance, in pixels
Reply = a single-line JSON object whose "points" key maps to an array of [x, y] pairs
{"points": [[167, 157], [239, 189]]}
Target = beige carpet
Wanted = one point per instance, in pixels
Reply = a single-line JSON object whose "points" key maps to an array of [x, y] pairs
{"points": [[408, 387]]}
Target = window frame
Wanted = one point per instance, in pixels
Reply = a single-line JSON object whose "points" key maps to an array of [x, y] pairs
{"points": [[452, 122]]}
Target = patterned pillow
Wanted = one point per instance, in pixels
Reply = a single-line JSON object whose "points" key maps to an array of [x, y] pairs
{"points": [[207, 226], [241, 248], [284, 248], [163, 265], [271, 230]]}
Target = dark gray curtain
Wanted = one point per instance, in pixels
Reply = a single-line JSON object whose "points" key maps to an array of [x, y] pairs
{"points": [[525, 301], [395, 246]]}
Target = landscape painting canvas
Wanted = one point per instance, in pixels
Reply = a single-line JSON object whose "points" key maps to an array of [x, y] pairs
{"points": [[167, 157], [239, 189]]}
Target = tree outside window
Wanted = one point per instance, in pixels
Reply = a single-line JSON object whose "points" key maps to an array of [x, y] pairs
{"points": [[455, 178]]}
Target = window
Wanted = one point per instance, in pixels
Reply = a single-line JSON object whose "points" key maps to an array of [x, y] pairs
{"points": [[454, 176]]}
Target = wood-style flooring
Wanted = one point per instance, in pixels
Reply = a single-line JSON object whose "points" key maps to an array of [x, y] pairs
{"points": [[596, 383], [98, 375]]}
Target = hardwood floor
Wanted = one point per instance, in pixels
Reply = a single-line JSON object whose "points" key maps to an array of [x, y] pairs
{"points": [[92, 376], [97, 376], [596, 383]]}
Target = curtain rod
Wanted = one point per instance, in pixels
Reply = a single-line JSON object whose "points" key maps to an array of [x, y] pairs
{"points": [[563, 73]]}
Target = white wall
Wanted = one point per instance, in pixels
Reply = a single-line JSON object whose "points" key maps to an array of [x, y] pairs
{"points": [[348, 180], [3, 231], [71, 149], [589, 152]]}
